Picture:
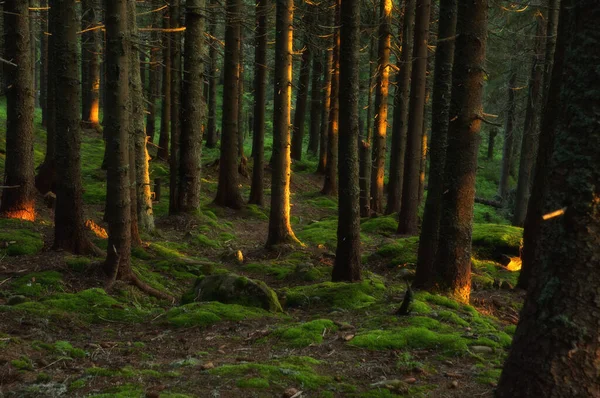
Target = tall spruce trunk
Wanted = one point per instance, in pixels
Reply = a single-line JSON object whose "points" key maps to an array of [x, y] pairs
{"points": [[211, 126], [240, 112], [555, 348], [401, 102], [347, 266], [18, 200], [325, 110], [365, 144], [228, 192], [280, 228], [453, 257], [533, 219], [409, 217], [90, 63], [507, 150], [331, 165], [165, 116], [381, 106], [44, 65], [301, 96], [260, 100], [316, 98], [529, 144], [440, 110], [175, 37], [193, 108], [153, 74]]}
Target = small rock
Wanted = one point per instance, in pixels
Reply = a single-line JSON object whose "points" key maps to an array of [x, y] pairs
{"points": [[454, 384], [222, 352], [410, 380], [207, 365], [481, 349], [449, 363], [348, 337], [291, 392], [14, 300]]}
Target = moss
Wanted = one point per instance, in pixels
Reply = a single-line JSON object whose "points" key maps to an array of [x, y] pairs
{"points": [[123, 391], [139, 252], [419, 307], [226, 236], [483, 214], [323, 202], [255, 212], [205, 314], [305, 334], [402, 251], [487, 270], [186, 362], [407, 363], [65, 348], [439, 300], [77, 263], [22, 363], [425, 322], [20, 241], [380, 225], [451, 317], [335, 294], [128, 372], [510, 329], [37, 283], [204, 241], [253, 382], [410, 337], [43, 377], [320, 233], [77, 384], [488, 376], [493, 240]]}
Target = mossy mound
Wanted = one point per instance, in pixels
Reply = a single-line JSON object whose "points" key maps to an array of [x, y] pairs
{"points": [[402, 251], [78, 263], [490, 274], [16, 240], [205, 314], [335, 294], [235, 289], [380, 225], [307, 333], [320, 233], [37, 283], [323, 202], [289, 269], [61, 348], [492, 241]]}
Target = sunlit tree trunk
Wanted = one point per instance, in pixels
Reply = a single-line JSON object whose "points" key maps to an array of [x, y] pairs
{"points": [[325, 109], [347, 265], [165, 116], [302, 95], [90, 63], [555, 348], [453, 258], [175, 37], [409, 218], [18, 199]]}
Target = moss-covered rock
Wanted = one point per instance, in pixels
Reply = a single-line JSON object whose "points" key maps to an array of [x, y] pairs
{"points": [[402, 251], [380, 225], [307, 333], [493, 241], [235, 289], [205, 314]]}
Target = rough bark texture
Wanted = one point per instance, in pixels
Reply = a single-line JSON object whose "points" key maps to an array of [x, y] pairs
{"points": [[552, 80], [44, 65], [409, 218], [330, 183], [365, 144], [440, 110], [153, 74], [240, 113], [555, 351], [325, 110], [491, 141], [280, 229], [19, 201], [193, 107], [165, 116], [507, 150], [381, 106], [315, 103], [529, 144], [90, 63], [301, 96], [260, 100], [453, 259], [401, 101], [141, 189], [347, 265], [211, 126], [175, 37], [228, 192]]}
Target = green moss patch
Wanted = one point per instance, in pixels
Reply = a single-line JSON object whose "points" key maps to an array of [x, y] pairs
{"points": [[402, 251], [491, 241], [62, 348], [411, 337], [307, 333], [323, 202], [77, 263], [253, 382], [37, 283], [335, 294], [17, 241], [380, 225], [205, 314]]}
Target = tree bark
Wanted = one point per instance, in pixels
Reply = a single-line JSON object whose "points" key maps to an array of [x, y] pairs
{"points": [[440, 110], [401, 102], [240, 114], [165, 117], [211, 127], [280, 229], [260, 100], [18, 202], [90, 64], [325, 110], [153, 74], [347, 266], [507, 150], [43, 65], [555, 349], [302, 96], [193, 108], [453, 258], [175, 107], [228, 192], [381, 106], [409, 218], [316, 98], [491, 141], [529, 144]]}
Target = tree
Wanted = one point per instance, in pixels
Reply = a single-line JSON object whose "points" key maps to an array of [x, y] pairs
{"points": [[453, 258], [440, 107], [316, 98], [260, 100], [18, 198], [165, 116], [409, 218], [381, 106], [401, 101], [193, 107], [280, 229], [211, 126], [507, 150], [365, 144], [325, 110], [347, 255], [302, 93], [175, 106], [555, 349], [228, 192], [90, 63], [153, 74]]}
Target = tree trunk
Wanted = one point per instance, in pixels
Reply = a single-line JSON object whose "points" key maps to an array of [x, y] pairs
{"points": [[153, 74], [315, 103], [228, 192], [260, 100], [381, 106], [507, 151], [175, 107], [165, 117], [19, 200], [409, 218], [90, 63], [453, 258], [552, 81], [33, 18], [193, 107], [529, 144], [240, 113], [325, 110], [43, 65], [555, 349], [330, 183], [440, 110], [347, 265], [401, 102], [302, 96], [211, 127], [365, 145], [491, 139]]}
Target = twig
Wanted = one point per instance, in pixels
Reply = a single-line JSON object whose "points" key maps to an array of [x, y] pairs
{"points": [[9, 186], [4, 281], [8, 62]]}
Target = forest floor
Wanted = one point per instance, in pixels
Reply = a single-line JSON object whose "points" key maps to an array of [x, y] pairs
{"points": [[62, 334]]}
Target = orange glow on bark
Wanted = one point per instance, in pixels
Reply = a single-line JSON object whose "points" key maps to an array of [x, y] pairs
{"points": [[94, 112], [96, 229], [27, 213]]}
